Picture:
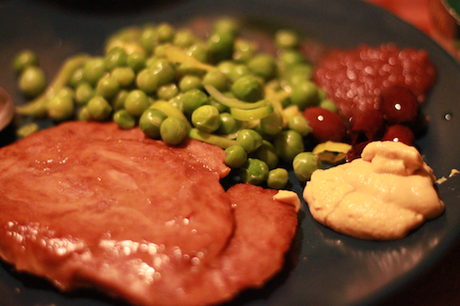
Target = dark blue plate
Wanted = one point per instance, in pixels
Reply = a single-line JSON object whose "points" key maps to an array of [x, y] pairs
{"points": [[328, 268]]}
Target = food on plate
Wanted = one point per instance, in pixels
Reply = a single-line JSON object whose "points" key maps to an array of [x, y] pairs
{"points": [[87, 204], [381, 196]]}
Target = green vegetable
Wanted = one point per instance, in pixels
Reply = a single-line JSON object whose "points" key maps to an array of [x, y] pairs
{"points": [[107, 87], [147, 80], [304, 165], [329, 105], [304, 94], [27, 129], [288, 144], [76, 78], [277, 178], [136, 60], [136, 102], [285, 39], [125, 76], [267, 153], [251, 114], [165, 33], [263, 65], [272, 124], [165, 71], [243, 51], [212, 139], [24, 59], [235, 156], [60, 107], [216, 79], [118, 102], [173, 131], [150, 122], [220, 46], [250, 140], [254, 171], [167, 92], [206, 118], [299, 124], [193, 99], [232, 102], [226, 25], [93, 70], [184, 38], [99, 109], [32, 81], [248, 88], [228, 124], [124, 119], [83, 93], [189, 82], [170, 111], [116, 57]]}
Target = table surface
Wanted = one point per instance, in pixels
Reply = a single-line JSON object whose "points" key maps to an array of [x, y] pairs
{"points": [[440, 284]]}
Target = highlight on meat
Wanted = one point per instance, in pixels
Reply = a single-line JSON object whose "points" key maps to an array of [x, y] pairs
{"points": [[89, 204]]}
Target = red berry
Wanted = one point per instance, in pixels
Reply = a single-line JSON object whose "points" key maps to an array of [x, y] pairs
{"points": [[399, 105], [325, 124], [399, 133], [366, 125]]}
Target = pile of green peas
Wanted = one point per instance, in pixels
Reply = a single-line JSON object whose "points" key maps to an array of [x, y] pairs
{"points": [[172, 84]]}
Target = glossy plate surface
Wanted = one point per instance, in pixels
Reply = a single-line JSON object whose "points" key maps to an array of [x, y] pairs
{"points": [[329, 268]]}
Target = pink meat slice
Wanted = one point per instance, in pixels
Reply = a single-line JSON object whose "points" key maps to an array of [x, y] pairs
{"points": [[88, 204]]}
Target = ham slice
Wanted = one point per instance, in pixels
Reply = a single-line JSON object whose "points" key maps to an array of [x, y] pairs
{"points": [[86, 204]]}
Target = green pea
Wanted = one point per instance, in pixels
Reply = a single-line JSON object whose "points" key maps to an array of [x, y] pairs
{"points": [[167, 92], [165, 32], [93, 70], [329, 105], [235, 156], [107, 87], [148, 38], [147, 80], [60, 107], [150, 122], [32, 81], [254, 171], [243, 51], [189, 82], [288, 144], [272, 124], [124, 119], [136, 102], [83, 114], [217, 79], [136, 60], [27, 129], [76, 78], [165, 71], [177, 102], [277, 178], [161, 51], [220, 46], [198, 51], [184, 38], [125, 76], [300, 125], [99, 109], [116, 57], [285, 39], [228, 124], [304, 94], [173, 131], [290, 58], [226, 67], [297, 74], [206, 118], [250, 140], [221, 107], [267, 153], [263, 65], [193, 99], [226, 25], [188, 69], [24, 59], [248, 88], [118, 102], [238, 72], [66, 92], [83, 93], [304, 164]]}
